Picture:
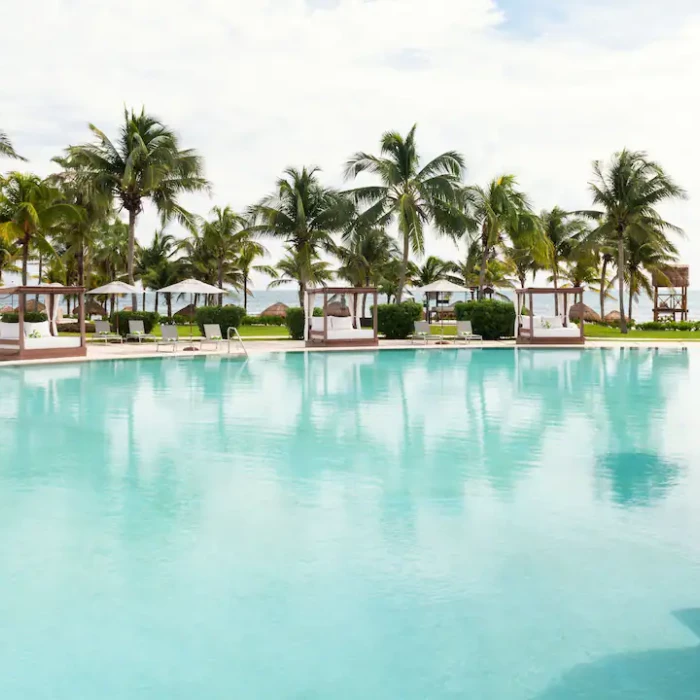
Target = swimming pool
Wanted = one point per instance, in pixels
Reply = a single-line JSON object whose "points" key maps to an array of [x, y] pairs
{"points": [[510, 524]]}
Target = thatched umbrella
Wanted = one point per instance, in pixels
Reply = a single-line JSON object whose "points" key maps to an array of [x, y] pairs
{"points": [[93, 308], [277, 309], [32, 305], [612, 317], [189, 311], [589, 315], [7, 310]]}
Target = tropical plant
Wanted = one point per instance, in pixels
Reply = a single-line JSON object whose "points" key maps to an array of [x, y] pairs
{"points": [[502, 212], [8, 255], [628, 192], [467, 272], [248, 251], [6, 148], [304, 214], [412, 196], [145, 163], [432, 270], [155, 266], [295, 267], [221, 238], [29, 209]]}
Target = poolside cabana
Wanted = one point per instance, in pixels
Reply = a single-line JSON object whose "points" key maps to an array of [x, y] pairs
{"points": [[39, 340], [556, 329], [440, 292], [340, 325]]}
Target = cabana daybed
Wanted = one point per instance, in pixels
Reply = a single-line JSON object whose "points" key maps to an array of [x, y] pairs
{"points": [[556, 329], [40, 340], [340, 325]]}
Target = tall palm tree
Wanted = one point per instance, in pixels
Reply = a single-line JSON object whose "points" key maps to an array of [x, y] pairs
{"points": [[29, 209], [565, 234], [222, 238], [247, 253], [145, 163], [628, 192], [6, 148], [295, 267], [501, 212], [412, 196], [304, 214]]}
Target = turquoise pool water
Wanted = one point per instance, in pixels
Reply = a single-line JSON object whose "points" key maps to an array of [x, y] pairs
{"points": [[413, 525]]}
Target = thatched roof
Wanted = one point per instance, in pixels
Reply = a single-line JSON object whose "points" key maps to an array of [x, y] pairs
{"points": [[93, 308], [276, 309], [672, 276], [612, 317], [7, 310], [588, 313], [190, 310], [31, 305], [337, 308]]}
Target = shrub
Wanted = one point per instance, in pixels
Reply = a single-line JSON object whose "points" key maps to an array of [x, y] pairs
{"points": [[225, 316], [263, 321], [490, 318], [295, 322], [669, 326], [395, 321], [120, 320], [75, 327], [29, 317]]}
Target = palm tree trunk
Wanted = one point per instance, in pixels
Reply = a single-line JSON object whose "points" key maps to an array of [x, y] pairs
{"points": [[555, 279], [629, 313], [156, 303], [621, 282], [130, 255], [301, 295], [25, 257], [404, 269], [221, 281], [603, 273], [143, 302], [484, 259], [245, 293], [169, 302], [81, 268]]}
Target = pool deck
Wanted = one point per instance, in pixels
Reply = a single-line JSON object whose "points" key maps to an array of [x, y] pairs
{"points": [[125, 351]]}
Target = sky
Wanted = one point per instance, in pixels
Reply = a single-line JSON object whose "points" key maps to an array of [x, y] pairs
{"points": [[537, 88]]}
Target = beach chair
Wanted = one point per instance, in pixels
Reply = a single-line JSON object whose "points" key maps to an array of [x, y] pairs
{"points": [[104, 332], [137, 332], [421, 331], [212, 335], [465, 332], [169, 338]]}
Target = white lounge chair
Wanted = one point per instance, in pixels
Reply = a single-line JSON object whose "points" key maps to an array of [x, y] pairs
{"points": [[104, 332], [465, 332], [169, 337], [212, 334], [138, 332], [421, 331]]}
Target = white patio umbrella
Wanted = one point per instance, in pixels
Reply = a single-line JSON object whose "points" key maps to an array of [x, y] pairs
{"points": [[193, 287], [114, 288], [437, 288]]}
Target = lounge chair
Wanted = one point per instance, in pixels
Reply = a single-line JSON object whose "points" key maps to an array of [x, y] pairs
{"points": [[169, 337], [212, 334], [421, 331], [104, 332], [138, 332], [465, 332]]}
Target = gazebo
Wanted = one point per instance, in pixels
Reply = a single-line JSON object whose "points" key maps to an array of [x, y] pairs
{"points": [[557, 329], [671, 292], [39, 340], [440, 291], [340, 324]]}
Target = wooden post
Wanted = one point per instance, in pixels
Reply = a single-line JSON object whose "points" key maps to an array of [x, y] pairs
{"points": [[532, 320], [580, 296], [376, 327], [325, 317], [81, 312], [656, 303], [21, 298]]}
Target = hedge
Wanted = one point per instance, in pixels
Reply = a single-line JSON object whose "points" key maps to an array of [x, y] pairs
{"points": [[263, 321], [225, 316], [669, 326], [29, 317], [395, 321], [295, 321], [120, 320], [490, 318]]}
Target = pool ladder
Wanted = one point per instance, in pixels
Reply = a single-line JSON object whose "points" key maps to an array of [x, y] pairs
{"points": [[234, 332]]}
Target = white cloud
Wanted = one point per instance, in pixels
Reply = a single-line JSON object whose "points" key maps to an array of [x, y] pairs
{"points": [[260, 86]]}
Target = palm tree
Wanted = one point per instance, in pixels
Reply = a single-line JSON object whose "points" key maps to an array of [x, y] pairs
{"points": [[164, 273], [8, 255], [145, 163], [629, 190], [110, 252], [412, 196], [502, 211], [432, 270], [151, 259], [6, 148], [29, 208], [467, 272], [222, 238], [565, 234], [248, 251], [295, 267], [304, 214]]}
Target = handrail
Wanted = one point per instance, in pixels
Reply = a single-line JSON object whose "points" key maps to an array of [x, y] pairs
{"points": [[238, 338]]}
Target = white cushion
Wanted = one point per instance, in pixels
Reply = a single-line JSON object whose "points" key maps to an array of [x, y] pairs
{"points": [[9, 330], [572, 332], [341, 323], [317, 323], [364, 334], [51, 342], [42, 328]]}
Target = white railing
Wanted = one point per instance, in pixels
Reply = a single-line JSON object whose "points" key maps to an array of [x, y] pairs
{"points": [[234, 331]]}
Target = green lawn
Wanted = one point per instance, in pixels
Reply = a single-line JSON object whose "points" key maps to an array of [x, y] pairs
{"points": [[606, 333], [245, 331]]}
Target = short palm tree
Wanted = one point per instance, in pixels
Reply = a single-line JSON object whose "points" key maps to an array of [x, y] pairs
{"points": [[153, 258], [6, 148], [412, 196], [628, 192], [303, 214], [145, 163], [221, 236], [247, 253], [502, 212], [296, 267], [29, 209], [432, 270]]}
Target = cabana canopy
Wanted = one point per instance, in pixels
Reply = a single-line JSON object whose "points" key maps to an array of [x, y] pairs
{"points": [[340, 324], [40, 340], [434, 290], [531, 329]]}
